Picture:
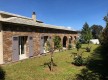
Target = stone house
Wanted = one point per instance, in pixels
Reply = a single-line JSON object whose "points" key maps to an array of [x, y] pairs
{"points": [[22, 37]]}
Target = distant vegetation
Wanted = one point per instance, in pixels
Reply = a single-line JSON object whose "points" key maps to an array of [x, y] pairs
{"points": [[86, 33], [97, 64]]}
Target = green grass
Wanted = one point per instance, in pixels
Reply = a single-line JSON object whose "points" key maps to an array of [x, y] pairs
{"points": [[33, 69]]}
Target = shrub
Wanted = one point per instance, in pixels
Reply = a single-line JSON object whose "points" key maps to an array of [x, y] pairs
{"points": [[78, 61], [2, 74], [70, 46], [88, 49], [78, 46], [60, 47], [88, 75], [85, 61], [48, 45]]}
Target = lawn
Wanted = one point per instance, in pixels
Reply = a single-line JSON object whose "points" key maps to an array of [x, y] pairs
{"points": [[34, 69]]}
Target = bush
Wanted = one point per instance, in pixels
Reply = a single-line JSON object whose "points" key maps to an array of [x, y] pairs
{"points": [[60, 47], [88, 75], [48, 45], [70, 46], [88, 49], [2, 74], [85, 61], [78, 61], [78, 46]]}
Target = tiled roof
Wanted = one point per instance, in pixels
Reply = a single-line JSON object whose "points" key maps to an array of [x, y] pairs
{"points": [[28, 21]]}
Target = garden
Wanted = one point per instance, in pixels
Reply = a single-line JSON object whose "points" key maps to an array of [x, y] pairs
{"points": [[37, 68], [85, 62]]}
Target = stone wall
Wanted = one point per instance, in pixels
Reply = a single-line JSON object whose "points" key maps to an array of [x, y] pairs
{"points": [[10, 30]]}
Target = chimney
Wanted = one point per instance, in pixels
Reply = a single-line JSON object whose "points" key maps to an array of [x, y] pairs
{"points": [[34, 16]]}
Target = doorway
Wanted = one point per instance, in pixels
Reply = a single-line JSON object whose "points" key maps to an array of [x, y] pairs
{"points": [[22, 47], [64, 41], [45, 44], [19, 47]]}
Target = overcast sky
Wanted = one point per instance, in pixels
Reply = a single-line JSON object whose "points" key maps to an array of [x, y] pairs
{"points": [[70, 13]]}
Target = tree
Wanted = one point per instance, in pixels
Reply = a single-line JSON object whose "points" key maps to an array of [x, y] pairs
{"points": [[97, 63], [105, 36], [86, 33], [96, 31], [57, 41], [106, 18], [105, 33]]}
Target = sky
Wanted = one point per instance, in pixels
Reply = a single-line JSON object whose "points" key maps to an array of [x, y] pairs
{"points": [[69, 13]]}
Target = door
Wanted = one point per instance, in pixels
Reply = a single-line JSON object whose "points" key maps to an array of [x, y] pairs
{"points": [[31, 51], [15, 48]]}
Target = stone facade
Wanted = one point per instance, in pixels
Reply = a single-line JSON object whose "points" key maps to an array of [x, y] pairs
{"points": [[10, 30], [22, 37]]}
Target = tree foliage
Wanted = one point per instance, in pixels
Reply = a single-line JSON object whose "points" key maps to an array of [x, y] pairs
{"points": [[104, 35], [57, 41], [106, 18], [78, 45], [78, 61], [86, 33], [96, 31], [97, 64]]}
